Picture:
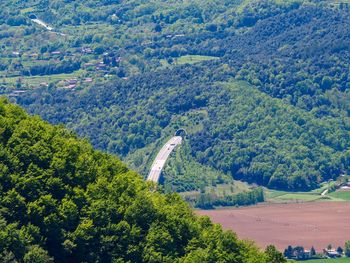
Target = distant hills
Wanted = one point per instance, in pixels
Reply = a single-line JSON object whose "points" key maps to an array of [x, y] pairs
{"points": [[262, 87], [287, 129]]}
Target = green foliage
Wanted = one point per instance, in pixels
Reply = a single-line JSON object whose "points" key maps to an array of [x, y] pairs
{"points": [[289, 131], [347, 248], [62, 201], [36, 255], [273, 255], [182, 173], [249, 197], [244, 132], [262, 132]]}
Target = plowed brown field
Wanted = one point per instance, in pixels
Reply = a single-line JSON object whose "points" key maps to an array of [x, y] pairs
{"points": [[306, 224]]}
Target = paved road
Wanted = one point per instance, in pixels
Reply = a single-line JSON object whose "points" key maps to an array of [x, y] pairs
{"points": [[42, 23], [49, 28], [161, 158]]}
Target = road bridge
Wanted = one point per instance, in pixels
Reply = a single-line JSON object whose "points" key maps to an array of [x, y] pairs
{"points": [[162, 157]]}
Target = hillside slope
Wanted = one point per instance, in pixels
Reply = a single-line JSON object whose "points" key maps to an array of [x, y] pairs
{"points": [[61, 200], [289, 131], [240, 130]]}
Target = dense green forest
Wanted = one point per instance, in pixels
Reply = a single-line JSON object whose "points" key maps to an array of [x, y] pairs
{"points": [[63, 201], [261, 86], [240, 130]]}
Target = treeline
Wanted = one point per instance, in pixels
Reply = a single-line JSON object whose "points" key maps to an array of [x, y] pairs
{"points": [[63, 67], [251, 197], [63, 201]]}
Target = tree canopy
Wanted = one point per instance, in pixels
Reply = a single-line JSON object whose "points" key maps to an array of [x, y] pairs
{"points": [[63, 201], [288, 129]]}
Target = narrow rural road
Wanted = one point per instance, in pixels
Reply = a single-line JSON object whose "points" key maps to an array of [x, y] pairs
{"points": [[162, 157]]}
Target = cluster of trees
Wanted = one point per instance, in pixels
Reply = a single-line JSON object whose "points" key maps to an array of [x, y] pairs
{"points": [[251, 197], [300, 56], [63, 201], [10, 13], [63, 67], [298, 252], [159, 13], [261, 10], [347, 248], [183, 173], [16, 21], [270, 143]]}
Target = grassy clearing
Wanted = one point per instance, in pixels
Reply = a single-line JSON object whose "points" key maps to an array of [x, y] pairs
{"points": [[344, 195], [27, 10], [323, 186], [188, 59], [327, 260], [271, 194], [314, 195], [299, 197], [192, 59], [34, 81], [227, 189], [283, 196]]}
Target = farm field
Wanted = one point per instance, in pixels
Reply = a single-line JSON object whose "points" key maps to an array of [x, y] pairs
{"points": [[306, 224]]}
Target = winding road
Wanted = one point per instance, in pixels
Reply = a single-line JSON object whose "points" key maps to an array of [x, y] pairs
{"points": [[162, 157]]}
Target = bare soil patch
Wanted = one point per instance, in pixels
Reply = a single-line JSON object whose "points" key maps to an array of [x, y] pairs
{"points": [[306, 224]]}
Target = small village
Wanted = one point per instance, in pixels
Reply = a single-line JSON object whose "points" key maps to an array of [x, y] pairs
{"points": [[35, 69], [300, 253]]}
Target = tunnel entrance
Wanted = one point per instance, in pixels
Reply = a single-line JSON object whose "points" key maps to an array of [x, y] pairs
{"points": [[33, 16], [181, 132]]}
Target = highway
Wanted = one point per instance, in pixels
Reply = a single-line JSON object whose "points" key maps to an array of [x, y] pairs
{"points": [[47, 27], [42, 23], [162, 157]]}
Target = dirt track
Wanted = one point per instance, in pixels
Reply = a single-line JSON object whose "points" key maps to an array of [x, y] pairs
{"points": [[309, 224]]}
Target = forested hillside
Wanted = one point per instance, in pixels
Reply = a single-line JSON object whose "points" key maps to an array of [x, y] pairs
{"points": [[62, 201], [96, 41], [239, 130], [261, 86], [287, 129]]}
